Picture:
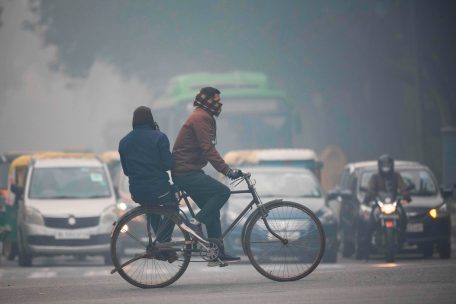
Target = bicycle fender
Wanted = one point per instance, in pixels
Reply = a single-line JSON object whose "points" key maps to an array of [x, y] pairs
{"points": [[250, 218]]}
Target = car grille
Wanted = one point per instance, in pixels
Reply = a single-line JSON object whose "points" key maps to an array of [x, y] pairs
{"points": [[51, 241], [80, 222]]}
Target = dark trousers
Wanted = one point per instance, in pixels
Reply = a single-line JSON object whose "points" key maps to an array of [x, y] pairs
{"points": [[210, 195], [162, 226]]}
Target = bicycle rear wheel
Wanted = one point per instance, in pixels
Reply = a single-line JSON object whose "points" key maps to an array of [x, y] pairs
{"points": [[149, 262], [300, 251]]}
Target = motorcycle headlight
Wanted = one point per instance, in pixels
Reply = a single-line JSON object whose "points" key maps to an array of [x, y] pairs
{"points": [[33, 216], [388, 208], [108, 216]]}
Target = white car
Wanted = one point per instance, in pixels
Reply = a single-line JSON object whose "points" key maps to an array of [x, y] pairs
{"points": [[280, 182], [66, 206]]}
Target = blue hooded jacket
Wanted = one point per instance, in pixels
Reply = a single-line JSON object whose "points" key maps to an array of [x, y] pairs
{"points": [[145, 157]]}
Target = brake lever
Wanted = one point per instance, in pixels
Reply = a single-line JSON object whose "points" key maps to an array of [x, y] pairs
{"points": [[237, 181]]}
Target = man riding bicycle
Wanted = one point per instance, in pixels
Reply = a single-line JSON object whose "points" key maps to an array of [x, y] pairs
{"points": [[193, 149]]}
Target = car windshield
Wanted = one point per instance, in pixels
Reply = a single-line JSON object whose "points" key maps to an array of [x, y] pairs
{"points": [[286, 184], [419, 180], [69, 183]]}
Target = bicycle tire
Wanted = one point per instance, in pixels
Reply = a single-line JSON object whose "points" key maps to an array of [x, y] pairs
{"points": [[139, 263], [285, 262]]}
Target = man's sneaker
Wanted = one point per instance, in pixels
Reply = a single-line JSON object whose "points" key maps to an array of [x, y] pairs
{"points": [[225, 258], [170, 256]]}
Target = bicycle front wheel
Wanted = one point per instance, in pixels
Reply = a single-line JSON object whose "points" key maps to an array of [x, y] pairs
{"points": [[293, 245], [148, 249]]}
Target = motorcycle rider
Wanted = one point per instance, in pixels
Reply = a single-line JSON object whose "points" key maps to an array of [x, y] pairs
{"points": [[388, 181]]}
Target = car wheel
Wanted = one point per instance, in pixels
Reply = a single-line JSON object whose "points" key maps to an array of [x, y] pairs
{"points": [[348, 248], [444, 249], [9, 250], [24, 257], [330, 257], [361, 251], [107, 258]]}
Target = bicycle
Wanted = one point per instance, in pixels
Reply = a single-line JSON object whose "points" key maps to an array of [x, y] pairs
{"points": [[152, 246]]}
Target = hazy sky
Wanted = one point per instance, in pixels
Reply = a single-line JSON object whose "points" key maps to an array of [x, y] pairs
{"points": [[45, 109], [369, 76]]}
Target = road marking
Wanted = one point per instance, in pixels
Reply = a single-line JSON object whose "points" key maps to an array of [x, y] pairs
{"points": [[43, 273], [96, 273], [386, 265]]}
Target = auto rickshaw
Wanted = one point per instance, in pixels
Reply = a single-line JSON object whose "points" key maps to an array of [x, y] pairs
{"points": [[17, 169]]}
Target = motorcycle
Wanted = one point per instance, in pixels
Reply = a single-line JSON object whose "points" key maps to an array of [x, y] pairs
{"points": [[387, 234]]}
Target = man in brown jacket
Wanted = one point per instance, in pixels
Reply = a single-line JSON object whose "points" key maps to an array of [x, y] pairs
{"points": [[193, 149]]}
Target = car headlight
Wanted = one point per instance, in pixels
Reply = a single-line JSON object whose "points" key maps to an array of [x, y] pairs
{"points": [[33, 216], [108, 216], [442, 211], [122, 206]]}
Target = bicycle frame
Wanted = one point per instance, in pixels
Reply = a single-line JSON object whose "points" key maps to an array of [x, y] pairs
{"points": [[186, 242], [255, 200]]}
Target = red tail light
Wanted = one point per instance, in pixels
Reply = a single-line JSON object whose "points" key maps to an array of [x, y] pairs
{"points": [[389, 224]]}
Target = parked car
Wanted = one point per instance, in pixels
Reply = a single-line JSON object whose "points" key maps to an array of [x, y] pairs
{"points": [[65, 205], [281, 182], [428, 215]]}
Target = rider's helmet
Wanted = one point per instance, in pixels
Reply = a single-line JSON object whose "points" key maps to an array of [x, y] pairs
{"points": [[385, 165], [205, 99]]}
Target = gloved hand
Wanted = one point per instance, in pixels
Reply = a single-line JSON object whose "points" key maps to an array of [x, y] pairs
{"points": [[233, 174]]}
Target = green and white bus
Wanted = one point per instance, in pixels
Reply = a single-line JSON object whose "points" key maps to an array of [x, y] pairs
{"points": [[254, 115]]}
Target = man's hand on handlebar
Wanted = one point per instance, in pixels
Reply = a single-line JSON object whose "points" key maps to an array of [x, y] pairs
{"points": [[234, 174]]}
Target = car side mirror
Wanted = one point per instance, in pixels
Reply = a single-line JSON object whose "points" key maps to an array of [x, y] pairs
{"points": [[332, 195], [446, 192], [363, 189], [18, 190], [337, 193], [346, 194]]}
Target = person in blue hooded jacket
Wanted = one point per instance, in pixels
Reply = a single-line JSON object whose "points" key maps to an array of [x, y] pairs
{"points": [[145, 158]]}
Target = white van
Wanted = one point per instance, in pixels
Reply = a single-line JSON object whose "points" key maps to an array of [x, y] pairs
{"points": [[66, 206]]}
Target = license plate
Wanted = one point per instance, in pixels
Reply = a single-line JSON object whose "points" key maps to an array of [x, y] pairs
{"points": [[72, 235], [415, 227]]}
